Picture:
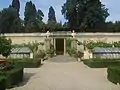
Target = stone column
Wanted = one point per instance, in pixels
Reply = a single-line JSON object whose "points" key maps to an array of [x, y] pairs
{"points": [[65, 47], [54, 43], [47, 43], [74, 44]]}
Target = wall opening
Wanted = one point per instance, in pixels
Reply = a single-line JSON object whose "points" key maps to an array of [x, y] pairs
{"points": [[59, 46]]}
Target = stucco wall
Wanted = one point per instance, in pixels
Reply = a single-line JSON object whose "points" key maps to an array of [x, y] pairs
{"points": [[106, 37], [25, 38], [40, 37]]}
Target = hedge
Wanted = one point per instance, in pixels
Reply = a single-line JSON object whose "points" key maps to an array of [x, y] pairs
{"points": [[13, 76], [114, 74], [2, 83], [102, 63], [25, 63]]}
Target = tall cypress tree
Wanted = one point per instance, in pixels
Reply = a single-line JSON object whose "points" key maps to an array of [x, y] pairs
{"points": [[51, 15], [16, 5], [30, 17]]}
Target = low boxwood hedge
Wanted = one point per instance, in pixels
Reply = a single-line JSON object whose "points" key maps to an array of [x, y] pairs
{"points": [[2, 83], [13, 76], [25, 63], [114, 74], [102, 63]]}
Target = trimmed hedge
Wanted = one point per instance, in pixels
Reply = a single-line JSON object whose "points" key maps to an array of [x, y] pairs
{"points": [[2, 83], [114, 74], [13, 76], [102, 63], [25, 63]]}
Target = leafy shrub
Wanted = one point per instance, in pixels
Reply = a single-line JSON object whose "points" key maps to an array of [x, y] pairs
{"points": [[101, 63], [13, 76], [80, 54], [72, 52], [90, 45], [40, 54], [114, 74], [51, 51], [25, 63], [5, 66], [5, 46], [2, 83]]}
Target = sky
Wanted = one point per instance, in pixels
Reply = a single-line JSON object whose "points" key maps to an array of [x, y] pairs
{"points": [[112, 5]]}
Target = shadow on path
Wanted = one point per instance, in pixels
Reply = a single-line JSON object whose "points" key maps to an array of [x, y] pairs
{"points": [[26, 78]]}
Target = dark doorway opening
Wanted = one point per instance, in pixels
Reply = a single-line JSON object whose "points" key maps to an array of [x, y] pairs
{"points": [[59, 46]]}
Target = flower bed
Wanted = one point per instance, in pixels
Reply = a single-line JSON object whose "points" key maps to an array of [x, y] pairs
{"points": [[25, 63], [2, 83], [102, 63], [12, 77], [114, 74]]}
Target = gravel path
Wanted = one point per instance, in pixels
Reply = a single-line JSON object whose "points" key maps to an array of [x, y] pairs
{"points": [[65, 76]]}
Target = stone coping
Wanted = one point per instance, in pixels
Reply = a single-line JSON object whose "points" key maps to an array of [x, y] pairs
{"points": [[58, 34]]}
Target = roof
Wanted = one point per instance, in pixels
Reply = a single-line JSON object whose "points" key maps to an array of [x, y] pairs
{"points": [[20, 50], [106, 50]]}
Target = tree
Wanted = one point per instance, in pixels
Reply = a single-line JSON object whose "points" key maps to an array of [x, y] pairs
{"points": [[53, 26], [5, 46], [84, 14], [40, 15], [9, 21], [16, 5], [30, 17], [41, 24], [51, 15]]}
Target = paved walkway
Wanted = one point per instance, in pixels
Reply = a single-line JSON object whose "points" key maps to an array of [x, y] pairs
{"points": [[65, 76]]}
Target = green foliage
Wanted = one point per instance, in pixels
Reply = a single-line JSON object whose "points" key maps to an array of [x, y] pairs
{"points": [[2, 83], [5, 46], [80, 54], [40, 15], [116, 44], [9, 21], [68, 44], [51, 51], [25, 63], [113, 26], [33, 18], [30, 17], [85, 14], [40, 54], [16, 5], [13, 76], [71, 51], [114, 74], [102, 63], [91, 44], [51, 15]]}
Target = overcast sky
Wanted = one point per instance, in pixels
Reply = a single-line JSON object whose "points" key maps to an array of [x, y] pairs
{"points": [[112, 5]]}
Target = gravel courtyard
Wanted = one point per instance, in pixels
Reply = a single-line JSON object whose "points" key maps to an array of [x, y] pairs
{"points": [[65, 75]]}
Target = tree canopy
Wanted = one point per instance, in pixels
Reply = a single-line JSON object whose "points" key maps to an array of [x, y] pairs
{"points": [[16, 5], [51, 15], [80, 15], [85, 14], [9, 21]]}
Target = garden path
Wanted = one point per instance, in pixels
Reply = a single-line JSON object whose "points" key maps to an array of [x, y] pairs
{"points": [[72, 75]]}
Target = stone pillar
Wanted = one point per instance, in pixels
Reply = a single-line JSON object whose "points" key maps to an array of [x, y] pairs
{"points": [[31, 55], [74, 44], [54, 43], [65, 47], [47, 43]]}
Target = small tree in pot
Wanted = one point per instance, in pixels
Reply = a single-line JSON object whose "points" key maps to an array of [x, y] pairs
{"points": [[80, 55]]}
